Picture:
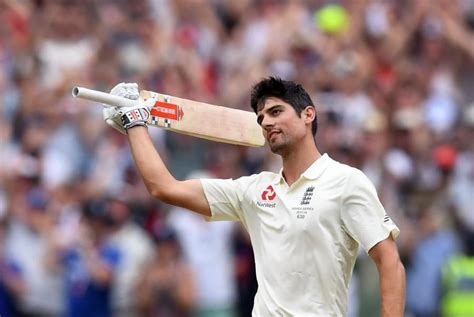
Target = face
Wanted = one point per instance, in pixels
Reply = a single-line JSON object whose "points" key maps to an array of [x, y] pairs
{"points": [[282, 126], [118, 211], [167, 250]]}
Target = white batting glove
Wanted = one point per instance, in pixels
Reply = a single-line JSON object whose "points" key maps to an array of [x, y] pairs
{"points": [[137, 115], [123, 118], [112, 115], [126, 90]]}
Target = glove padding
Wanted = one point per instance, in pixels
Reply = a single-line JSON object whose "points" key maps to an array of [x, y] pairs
{"points": [[134, 116], [123, 118], [126, 90]]}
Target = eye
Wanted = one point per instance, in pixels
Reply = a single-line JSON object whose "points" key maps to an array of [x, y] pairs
{"points": [[276, 112]]}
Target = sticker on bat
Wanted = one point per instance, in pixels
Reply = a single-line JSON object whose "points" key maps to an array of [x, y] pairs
{"points": [[167, 111], [160, 122]]}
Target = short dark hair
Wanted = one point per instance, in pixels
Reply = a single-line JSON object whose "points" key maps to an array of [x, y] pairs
{"points": [[288, 91]]}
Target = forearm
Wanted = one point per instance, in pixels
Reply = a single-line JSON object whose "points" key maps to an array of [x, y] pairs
{"points": [[100, 272], [458, 36], [143, 293], [185, 294], [151, 167], [160, 183], [392, 289]]}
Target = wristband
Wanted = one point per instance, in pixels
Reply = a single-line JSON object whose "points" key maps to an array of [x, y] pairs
{"points": [[135, 117]]}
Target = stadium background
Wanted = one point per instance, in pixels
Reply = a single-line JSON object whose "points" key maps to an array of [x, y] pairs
{"points": [[393, 84]]}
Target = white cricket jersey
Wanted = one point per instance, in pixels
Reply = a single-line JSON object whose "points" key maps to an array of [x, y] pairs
{"points": [[305, 237]]}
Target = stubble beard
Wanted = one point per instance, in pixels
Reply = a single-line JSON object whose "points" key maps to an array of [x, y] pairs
{"points": [[280, 146]]}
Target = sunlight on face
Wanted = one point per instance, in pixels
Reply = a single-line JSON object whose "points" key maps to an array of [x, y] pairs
{"points": [[282, 126]]}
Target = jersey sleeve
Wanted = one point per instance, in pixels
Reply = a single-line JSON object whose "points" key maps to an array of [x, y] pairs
{"points": [[224, 197], [363, 216]]}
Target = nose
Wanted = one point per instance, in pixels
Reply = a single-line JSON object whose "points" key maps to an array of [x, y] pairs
{"points": [[267, 122]]}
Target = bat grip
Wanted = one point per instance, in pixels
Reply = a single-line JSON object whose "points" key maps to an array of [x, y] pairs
{"points": [[102, 97]]}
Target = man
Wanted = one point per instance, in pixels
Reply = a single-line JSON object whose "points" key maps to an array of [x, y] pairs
{"points": [[208, 249], [305, 223], [12, 283], [136, 250], [27, 245], [90, 264]]}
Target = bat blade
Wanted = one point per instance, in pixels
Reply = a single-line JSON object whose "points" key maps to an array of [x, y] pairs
{"points": [[203, 120], [198, 119]]}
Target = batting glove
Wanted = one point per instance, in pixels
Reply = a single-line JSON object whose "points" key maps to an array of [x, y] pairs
{"points": [[135, 116], [123, 118]]}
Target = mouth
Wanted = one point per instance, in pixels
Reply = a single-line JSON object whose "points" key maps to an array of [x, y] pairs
{"points": [[271, 134]]}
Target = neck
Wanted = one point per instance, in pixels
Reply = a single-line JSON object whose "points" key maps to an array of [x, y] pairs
{"points": [[298, 160]]}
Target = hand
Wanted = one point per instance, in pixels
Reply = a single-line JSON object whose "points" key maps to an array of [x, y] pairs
{"points": [[111, 114], [123, 118], [161, 278], [137, 115], [126, 90]]}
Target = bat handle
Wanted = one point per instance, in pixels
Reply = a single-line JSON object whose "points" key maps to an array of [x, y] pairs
{"points": [[102, 97]]}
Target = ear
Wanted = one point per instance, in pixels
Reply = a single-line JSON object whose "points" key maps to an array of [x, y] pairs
{"points": [[309, 114]]}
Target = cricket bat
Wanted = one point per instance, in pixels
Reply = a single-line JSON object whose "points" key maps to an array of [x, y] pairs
{"points": [[198, 119]]}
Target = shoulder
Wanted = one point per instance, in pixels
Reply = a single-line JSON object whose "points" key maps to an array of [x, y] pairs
{"points": [[256, 179], [260, 177], [339, 169], [239, 188], [350, 176]]}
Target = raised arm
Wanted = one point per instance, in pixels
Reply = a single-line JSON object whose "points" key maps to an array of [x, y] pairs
{"points": [[160, 183], [132, 121], [392, 277]]}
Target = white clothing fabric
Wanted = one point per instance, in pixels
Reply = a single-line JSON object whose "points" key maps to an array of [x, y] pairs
{"points": [[207, 246], [305, 237], [44, 288], [136, 249]]}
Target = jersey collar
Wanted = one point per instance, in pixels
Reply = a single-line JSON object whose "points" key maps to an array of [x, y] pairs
{"points": [[313, 172], [318, 167], [278, 178]]}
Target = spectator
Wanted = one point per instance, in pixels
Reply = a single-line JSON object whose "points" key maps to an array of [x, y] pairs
{"points": [[435, 246], [90, 265], [412, 62], [458, 278], [12, 285], [27, 244], [207, 247], [136, 250], [165, 286]]}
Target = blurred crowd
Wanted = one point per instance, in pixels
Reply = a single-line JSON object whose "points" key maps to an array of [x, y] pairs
{"points": [[393, 82]]}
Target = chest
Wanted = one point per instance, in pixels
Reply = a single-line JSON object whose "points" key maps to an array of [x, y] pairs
{"points": [[309, 207]]}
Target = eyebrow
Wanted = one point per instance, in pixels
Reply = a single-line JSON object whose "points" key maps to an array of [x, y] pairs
{"points": [[273, 107], [260, 116]]}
